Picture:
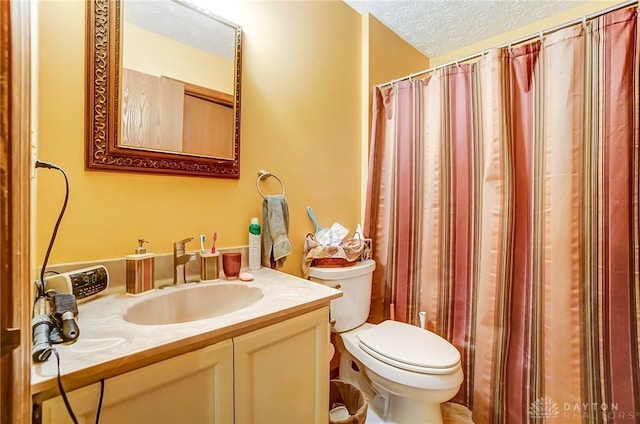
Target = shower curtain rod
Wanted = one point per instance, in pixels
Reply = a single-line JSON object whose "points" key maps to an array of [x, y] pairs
{"points": [[513, 43]]}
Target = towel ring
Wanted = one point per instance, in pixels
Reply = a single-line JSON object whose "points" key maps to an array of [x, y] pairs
{"points": [[262, 174]]}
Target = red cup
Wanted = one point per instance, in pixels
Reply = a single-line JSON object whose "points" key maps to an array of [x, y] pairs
{"points": [[231, 265]]}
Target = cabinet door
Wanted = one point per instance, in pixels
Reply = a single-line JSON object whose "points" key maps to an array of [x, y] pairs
{"points": [[282, 372], [196, 387]]}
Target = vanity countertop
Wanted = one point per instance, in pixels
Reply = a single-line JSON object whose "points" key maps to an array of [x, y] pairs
{"points": [[108, 345]]}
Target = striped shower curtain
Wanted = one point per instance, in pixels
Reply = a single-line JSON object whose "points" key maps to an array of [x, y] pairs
{"points": [[503, 201]]}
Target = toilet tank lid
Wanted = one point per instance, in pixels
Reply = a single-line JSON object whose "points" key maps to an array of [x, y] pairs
{"points": [[342, 273]]}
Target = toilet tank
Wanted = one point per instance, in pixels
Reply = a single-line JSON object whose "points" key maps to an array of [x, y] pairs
{"points": [[352, 309]]}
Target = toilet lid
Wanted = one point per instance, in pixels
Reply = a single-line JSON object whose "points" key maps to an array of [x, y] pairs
{"points": [[410, 348]]}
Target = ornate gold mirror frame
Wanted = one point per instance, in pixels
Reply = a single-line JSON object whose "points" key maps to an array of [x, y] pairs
{"points": [[103, 70]]}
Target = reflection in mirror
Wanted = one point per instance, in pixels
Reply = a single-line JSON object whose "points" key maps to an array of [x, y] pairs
{"points": [[172, 83], [179, 98]]}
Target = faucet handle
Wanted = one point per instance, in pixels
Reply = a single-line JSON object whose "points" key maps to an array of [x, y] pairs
{"points": [[180, 244]]}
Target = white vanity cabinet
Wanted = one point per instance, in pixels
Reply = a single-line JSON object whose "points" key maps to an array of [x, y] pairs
{"points": [[196, 387], [276, 374], [281, 372]]}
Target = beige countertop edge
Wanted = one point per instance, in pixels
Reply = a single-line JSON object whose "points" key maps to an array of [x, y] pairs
{"points": [[94, 373]]}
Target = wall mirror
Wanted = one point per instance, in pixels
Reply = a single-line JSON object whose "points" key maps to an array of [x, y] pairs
{"points": [[163, 89]]}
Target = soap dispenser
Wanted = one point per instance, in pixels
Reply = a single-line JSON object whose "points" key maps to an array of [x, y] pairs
{"points": [[140, 271]]}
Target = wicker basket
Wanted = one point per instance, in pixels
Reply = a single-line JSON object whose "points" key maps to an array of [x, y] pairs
{"points": [[331, 262], [352, 398]]}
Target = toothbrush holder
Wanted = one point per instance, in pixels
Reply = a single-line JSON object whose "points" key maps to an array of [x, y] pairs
{"points": [[209, 268]]}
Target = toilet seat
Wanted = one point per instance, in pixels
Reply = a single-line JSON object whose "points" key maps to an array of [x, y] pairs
{"points": [[409, 348], [352, 346]]}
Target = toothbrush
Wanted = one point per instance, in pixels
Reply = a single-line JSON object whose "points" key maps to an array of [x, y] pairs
{"points": [[215, 237], [202, 249]]}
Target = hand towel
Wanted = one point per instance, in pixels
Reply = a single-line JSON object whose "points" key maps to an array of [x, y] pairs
{"points": [[275, 236]]}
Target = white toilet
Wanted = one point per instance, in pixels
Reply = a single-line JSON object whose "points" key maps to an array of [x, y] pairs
{"points": [[406, 372]]}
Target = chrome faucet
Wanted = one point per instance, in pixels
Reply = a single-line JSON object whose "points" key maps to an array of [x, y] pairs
{"points": [[180, 259]]}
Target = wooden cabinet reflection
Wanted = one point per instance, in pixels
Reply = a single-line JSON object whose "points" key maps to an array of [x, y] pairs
{"points": [[164, 114], [208, 122]]}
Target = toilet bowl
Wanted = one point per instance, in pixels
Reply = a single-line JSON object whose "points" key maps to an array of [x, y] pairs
{"points": [[403, 388], [405, 371]]}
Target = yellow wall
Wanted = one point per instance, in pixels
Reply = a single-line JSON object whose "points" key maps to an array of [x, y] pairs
{"points": [[390, 57], [301, 103], [525, 31]]}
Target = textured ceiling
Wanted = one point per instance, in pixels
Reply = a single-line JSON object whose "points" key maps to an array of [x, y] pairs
{"points": [[434, 27], [437, 27], [189, 25]]}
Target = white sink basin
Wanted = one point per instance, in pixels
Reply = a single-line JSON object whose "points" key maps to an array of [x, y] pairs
{"points": [[192, 303]]}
